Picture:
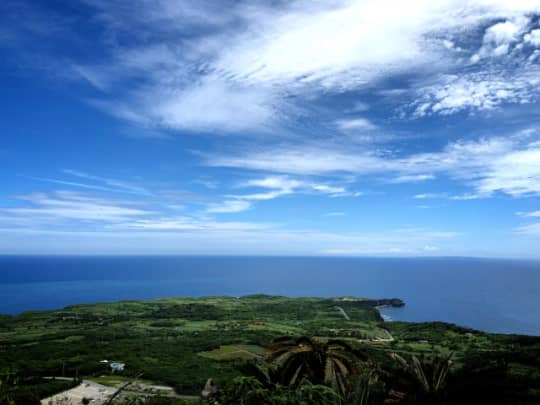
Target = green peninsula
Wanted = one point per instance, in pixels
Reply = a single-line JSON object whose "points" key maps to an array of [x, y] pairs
{"points": [[182, 342]]}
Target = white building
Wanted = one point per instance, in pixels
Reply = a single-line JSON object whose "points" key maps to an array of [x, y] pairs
{"points": [[117, 367]]}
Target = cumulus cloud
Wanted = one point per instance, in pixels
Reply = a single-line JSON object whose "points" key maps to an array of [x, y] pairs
{"points": [[478, 91], [499, 37], [533, 37]]}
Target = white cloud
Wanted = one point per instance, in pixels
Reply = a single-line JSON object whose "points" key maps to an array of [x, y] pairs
{"points": [[469, 196], [356, 124], [64, 205], [373, 38], [64, 211], [211, 104], [429, 196], [359, 106], [532, 229], [207, 237], [488, 165], [191, 224], [412, 178], [229, 206], [530, 214], [533, 37], [283, 185], [335, 214], [478, 91], [310, 160], [274, 182], [119, 185], [278, 185], [71, 183], [208, 183], [275, 187], [516, 173], [499, 37], [237, 70]]}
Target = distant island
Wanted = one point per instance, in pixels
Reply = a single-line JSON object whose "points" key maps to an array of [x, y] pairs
{"points": [[177, 349]]}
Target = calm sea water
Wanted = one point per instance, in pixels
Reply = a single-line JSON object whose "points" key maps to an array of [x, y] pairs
{"points": [[492, 295]]}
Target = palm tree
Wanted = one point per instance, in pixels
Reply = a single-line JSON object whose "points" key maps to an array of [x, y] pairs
{"points": [[7, 383], [246, 391], [268, 376], [428, 374], [308, 394], [320, 362]]}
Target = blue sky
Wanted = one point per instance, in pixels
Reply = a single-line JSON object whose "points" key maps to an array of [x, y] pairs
{"points": [[340, 127]]}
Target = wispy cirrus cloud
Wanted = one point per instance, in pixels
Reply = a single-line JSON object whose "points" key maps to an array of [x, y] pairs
{"points": [[529, 214], [531, 229], [190, 224], [95, 183], [207, 237], [487, 165], [56, 220], [237, 67], [335, 214], [118, 185], [257, 66], [355, 124], [412, 178], [62, 211], [65, 205], [228, 206], [279, 186], [275, 187]]}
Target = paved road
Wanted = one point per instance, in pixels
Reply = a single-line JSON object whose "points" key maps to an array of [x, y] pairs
{"points": [[343, 313]]}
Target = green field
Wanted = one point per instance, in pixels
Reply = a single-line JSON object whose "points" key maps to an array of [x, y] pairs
{"points": [[181, 342]]}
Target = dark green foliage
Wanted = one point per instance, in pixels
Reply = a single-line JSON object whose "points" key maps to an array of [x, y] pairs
{"points": [[29, 391], [189, 312], [319, 362], [488, 378], [249, 391], [423, 379], [168, 341], [8, 383]]}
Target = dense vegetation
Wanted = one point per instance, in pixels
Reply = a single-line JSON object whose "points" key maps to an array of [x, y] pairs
{"points": [[183, 342]]}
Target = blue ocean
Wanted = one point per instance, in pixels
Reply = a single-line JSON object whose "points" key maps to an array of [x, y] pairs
{"points": [[492, 295]]}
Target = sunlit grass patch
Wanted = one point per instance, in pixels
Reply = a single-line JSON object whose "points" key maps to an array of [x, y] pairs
{"points": [[230, 352]]}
